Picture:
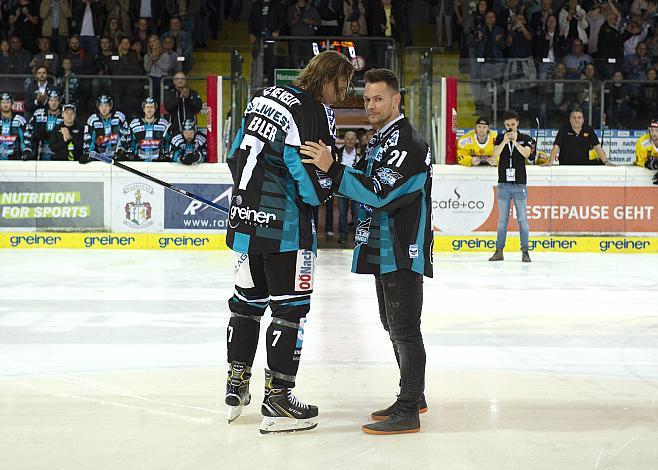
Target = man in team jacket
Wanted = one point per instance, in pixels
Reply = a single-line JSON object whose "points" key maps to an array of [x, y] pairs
{"points": [[271, 231], [393, 235]]}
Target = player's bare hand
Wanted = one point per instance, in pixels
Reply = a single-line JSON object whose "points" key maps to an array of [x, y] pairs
{"points": [[318, 154]]}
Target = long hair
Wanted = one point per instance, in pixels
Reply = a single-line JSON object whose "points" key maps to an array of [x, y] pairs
{"points": [[323, 68]]}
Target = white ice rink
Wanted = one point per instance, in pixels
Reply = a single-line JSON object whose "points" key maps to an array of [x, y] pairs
{"points": [[116, 360]]}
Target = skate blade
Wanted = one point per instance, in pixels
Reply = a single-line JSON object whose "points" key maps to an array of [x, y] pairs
{"points": [[273, 425], [234, 412]]}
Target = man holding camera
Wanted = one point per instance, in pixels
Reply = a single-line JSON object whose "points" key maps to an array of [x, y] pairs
{"points": [[512, 150], [646, 149]]}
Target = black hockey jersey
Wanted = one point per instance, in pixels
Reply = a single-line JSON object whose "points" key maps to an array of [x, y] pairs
{"points": [[38, 132], [394, 226], [106, 135], [149, 141], [12, 137], [273, 193], [191, 152]]}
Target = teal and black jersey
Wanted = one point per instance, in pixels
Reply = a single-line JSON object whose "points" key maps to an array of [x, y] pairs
{"points": [[273, 192], [12, 137], [37, 133], [394, 186]]}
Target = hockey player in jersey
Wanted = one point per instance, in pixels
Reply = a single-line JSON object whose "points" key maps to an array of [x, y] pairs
{"points": [[189, 146], [106, 131], [393, 236], [149, 135], [646, 149], [41, 124], [13, 145], [273, 236], [476, 147]]}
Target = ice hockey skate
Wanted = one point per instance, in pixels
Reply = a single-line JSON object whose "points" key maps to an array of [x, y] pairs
{"points": [[237, 390], [284, 412]]}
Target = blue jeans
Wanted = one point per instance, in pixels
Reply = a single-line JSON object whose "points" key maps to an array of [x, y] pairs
{"points": [[344, 205], [506, 192]]}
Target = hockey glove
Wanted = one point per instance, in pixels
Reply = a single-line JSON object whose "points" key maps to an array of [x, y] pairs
{"points": [[28, 154], [652, 164], [188, 158]]}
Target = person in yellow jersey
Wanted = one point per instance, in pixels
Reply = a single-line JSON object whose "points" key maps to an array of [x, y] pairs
{"points": [[475, 148], [646, 149]]}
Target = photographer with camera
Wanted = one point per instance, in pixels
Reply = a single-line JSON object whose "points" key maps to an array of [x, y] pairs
{"points": [[646, 149], [512, 150]]}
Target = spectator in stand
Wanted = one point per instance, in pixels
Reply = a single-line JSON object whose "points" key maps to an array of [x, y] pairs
{"points": [[141, 33], [611, 42], [119, 9], [637, 65], [549, 47], [538, 20], [199, 13], [351, 14], [136, 47], [112, 30], [640, 32], [647, 99], [102, 62], [46, 56], [149, 10], [128, 92], [183, 42], [25, 18], [559, 98], [266, 18], [68, 83], [36, 94], [642, 9], [475, 148], [620, 111], [576, 60], [181, 103], [55, 16], [469, 46], [387, 20], [489, 42], [157, 63], [507, 14], [347, 155], [4, 58], [81, 59], [89, 18], [443, 16], [596, 16], [520, 63], [573, 22], [19, 57], [302, 20], [590, 75], [575, 141]]}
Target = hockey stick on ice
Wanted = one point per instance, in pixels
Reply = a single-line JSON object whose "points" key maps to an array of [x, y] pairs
{"points": [[107, 159]]}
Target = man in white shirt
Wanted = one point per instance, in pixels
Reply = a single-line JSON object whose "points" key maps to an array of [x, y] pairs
{"points": [[347, 156]]}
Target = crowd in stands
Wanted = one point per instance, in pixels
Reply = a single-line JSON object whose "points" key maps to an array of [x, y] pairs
{"points": [[74, 39], [582, 40]]}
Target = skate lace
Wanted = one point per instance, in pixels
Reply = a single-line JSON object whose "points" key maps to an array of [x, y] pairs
{"points": [[296, 401]]}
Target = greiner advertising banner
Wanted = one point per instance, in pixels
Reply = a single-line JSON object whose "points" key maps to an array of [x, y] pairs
{"points": [[64, 205], [463, 207], [187, 214]]}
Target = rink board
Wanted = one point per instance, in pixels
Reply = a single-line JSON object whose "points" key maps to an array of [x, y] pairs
{"points": [[195, 241]]}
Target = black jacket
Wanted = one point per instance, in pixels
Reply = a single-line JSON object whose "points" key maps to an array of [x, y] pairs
{"points": [[97, 15], [611, 42], [379, 19], [156, 9], [180, 108], [274, 21], [541, 45], [61, 147]]}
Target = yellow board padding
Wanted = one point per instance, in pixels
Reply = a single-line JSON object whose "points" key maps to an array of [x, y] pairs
{"points": [[584, 244], [205, 241], [114, 241]]}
